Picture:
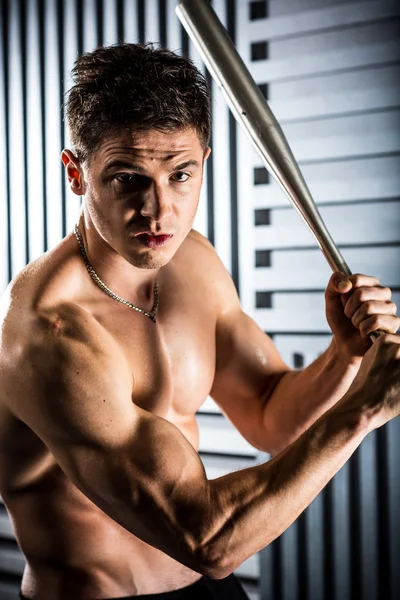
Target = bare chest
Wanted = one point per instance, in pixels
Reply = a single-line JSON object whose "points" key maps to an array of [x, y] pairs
{"points": [[172, 361]]}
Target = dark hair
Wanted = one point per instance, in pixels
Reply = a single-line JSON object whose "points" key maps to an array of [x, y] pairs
{"points": [[134, 87]]}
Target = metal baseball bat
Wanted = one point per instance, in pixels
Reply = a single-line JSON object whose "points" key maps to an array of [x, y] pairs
{"points": [[254, 115]]}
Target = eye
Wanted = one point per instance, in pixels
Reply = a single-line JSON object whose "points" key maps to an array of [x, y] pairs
{"points": [[180, 177], [125, 177]]}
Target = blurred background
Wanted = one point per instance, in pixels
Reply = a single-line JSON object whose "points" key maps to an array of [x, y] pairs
{"points": [[330, 70]]}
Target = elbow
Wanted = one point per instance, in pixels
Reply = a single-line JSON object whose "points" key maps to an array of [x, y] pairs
{"points": [[216, 568], [215, 559]]}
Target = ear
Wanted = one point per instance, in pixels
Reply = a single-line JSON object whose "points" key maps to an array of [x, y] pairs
{"points": [[207, 153], [74, 172]]}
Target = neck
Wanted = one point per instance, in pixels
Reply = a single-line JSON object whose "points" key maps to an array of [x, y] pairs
{"points": [[124, 279]]}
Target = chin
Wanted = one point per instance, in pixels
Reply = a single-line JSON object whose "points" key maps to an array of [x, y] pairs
{"points": [[149, 261]]}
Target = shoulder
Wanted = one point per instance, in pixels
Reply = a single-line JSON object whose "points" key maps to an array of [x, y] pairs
{"points": [[207, 265], [37, 316], [41, 282], [55, 354]]}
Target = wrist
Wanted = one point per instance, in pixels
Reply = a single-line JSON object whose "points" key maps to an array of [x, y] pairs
{"points": [[354, 408], [342, 357]]}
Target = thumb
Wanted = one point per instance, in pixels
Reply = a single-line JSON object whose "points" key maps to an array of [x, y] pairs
{"points": [[339, 283]]}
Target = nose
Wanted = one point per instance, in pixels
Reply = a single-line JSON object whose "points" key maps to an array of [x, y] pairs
{"points": [[157, 202]]}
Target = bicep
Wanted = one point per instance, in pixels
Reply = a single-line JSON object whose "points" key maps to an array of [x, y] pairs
{"points": [[248, 368]]}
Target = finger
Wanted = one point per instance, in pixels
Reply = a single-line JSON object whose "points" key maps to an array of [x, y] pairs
{"points": [[365, 294], [386, 323], [337, 283], [387, 339], [340, 283], [359, 280], [373, 307]]}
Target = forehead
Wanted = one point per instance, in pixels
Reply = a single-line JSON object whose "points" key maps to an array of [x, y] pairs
{"points": [[152, 144]]}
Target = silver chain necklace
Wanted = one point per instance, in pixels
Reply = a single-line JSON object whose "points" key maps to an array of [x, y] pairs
{"points": [[102, 285]]}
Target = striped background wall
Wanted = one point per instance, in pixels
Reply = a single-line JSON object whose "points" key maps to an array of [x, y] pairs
{"points": [[330, 71]]}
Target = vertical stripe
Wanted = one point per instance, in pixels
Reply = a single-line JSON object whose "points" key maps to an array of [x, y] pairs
{"points": [[302, 553], [23, 51], [90, 10], [210, 180], [151, 18], [79, 23], [311, 583], [34, 133], [383, 512], [99, 23], [393, 439], [110, 22], [131, 21], [141, 23], [70, 53], [328, 533], [16, 148], [53, 127], [5, 94], [277, 569], [231, 17], [342, 529], [60, 45], [289, 563], [368, 511], [266, 573], [120, 21], [173, 28], [162, 12], [355, 525]]}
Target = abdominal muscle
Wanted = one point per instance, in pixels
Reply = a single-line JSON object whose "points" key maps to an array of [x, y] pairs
{"points": [[74, 550]]}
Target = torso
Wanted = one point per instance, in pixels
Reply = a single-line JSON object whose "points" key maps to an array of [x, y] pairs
{"points": [[173, 364]]}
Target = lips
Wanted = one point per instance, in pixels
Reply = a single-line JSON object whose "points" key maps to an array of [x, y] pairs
{"points": [[153, 241], [151, 234]]}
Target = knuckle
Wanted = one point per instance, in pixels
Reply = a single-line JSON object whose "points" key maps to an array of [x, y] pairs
{"points": [[373, 321], [368, 305], [360, 294], [348, 311], [356, 278]]}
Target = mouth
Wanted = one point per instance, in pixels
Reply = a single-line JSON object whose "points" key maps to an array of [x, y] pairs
{"points": [[153, 241]]}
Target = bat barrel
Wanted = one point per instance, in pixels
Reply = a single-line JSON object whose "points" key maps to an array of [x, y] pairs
{"points": [[254, 115]]}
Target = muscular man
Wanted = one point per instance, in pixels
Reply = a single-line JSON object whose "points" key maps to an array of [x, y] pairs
{"points": [[98, 439]]}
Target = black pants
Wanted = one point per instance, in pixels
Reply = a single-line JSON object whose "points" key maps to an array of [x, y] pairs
{"points": [[203, 589]]}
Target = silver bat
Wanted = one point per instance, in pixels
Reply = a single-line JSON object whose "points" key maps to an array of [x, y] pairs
{"points": [[252, 112]]}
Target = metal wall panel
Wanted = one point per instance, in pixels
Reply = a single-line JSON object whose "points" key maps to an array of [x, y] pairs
{"points": [[330, 71]]}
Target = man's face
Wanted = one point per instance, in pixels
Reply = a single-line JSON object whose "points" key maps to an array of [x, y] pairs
{"points": [[145, 182]]}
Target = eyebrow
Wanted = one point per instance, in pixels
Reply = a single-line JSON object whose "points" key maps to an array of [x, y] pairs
{"points": [[128, 165]]}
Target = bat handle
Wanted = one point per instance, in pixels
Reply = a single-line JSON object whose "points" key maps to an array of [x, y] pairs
{"points": [[376, 334]]}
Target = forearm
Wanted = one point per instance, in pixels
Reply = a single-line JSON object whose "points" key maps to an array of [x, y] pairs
{"points": [[256, 505], [301, 397]]}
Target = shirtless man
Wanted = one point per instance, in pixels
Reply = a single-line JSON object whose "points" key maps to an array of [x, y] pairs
{"points": [[98, 439]]}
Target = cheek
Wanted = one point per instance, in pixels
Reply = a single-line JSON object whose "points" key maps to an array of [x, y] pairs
{"points": [[189, 210], [100, 207]]}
